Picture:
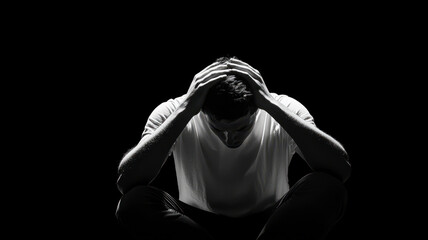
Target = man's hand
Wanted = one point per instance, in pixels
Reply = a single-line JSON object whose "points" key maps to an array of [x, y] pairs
{"points": [[202, 82], [262, 96]]}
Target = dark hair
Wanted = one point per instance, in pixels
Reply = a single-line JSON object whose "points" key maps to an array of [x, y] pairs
{"points": [[230, 98]]}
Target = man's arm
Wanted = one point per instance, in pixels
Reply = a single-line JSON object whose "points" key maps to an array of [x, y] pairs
{"points": [[321, 151], [143, 162]]}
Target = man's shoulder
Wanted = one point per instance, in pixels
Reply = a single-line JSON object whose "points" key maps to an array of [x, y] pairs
{"points": [[295, 106], [165, 108], [176, 100], [171, 103]]}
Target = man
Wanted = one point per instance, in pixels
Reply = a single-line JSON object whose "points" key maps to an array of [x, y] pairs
{"points": [[232, 141]]}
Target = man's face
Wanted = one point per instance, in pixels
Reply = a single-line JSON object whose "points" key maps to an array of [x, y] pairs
{"points": [[232, 132]]}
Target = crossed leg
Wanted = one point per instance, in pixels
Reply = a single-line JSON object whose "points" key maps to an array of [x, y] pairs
{"points": [[309, 210], [150, 213]]}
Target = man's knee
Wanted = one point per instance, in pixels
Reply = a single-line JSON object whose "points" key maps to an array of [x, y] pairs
{"points": [[138, 203], [328, 189], [148, 211], [324, 180], [323, 187], [312, 207]]}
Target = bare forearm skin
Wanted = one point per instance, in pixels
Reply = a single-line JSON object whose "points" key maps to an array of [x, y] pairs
{"points": [[142, 163], [321, 151]]}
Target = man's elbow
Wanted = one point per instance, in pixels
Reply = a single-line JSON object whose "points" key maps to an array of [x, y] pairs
{"points": [[346, 174], [341, 169], [125, 184], [346, 169], [120, 184]]}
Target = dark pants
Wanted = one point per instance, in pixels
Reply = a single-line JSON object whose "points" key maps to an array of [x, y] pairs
{"points": [[308, 211]]}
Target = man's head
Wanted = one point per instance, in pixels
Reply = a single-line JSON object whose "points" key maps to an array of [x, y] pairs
{"points": [[229, 107]]}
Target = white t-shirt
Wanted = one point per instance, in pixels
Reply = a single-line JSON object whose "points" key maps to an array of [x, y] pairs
{"points": [[231, 181]]}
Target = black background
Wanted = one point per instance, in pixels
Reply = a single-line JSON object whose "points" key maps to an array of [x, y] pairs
{"points": [[101, 72]]}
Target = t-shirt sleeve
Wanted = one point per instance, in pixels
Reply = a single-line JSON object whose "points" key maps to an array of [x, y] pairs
{"points": [[300, 110], [159, 115], [296, 107]]}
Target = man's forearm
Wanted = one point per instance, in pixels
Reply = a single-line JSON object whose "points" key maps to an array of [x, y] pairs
{"points": [[144, 161], [321, 151]]}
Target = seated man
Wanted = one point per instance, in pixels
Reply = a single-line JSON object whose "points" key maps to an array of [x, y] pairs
{"points": [[232, 141]]}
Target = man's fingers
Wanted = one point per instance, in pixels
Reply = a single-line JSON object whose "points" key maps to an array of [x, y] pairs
{"points": [[209, 83], [239, 62], [214, 68], [216, 71], [245, 75], [209, 66], [212, 75], [247, 69]]}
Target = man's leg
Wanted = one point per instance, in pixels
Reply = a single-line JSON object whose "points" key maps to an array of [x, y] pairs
{"points": [[309, 210], [154, 214]]}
